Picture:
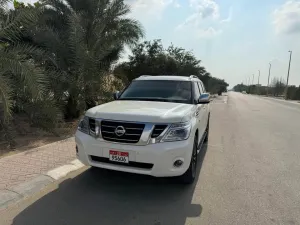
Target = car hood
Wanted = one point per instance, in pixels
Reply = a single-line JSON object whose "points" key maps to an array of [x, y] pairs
{"points": [[143, 111]]}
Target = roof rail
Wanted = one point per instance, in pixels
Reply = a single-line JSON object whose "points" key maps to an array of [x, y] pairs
{"points": [[194, 76], [145, 76]]}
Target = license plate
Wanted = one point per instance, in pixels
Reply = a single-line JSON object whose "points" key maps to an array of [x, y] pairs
{"points": [[117, 156]]}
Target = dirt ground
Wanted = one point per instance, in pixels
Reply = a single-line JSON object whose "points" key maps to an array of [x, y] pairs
{"points": [[33, 138]]}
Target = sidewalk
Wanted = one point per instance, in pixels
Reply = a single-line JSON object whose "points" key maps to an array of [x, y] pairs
{"points": [[17, 171]]}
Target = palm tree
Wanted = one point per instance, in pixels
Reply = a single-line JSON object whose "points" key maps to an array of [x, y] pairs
{"points": [[84, 37], [15, 67], [59, 52], [23, 81]]}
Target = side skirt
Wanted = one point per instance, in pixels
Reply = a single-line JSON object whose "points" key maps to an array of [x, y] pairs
{"points": [[201, 142]]}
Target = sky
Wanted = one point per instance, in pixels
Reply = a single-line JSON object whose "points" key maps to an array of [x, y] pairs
{"points": [[233, 38]]}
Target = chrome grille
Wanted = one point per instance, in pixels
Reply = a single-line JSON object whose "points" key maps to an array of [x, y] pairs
{"points": [[133, 131], [158, 129]]}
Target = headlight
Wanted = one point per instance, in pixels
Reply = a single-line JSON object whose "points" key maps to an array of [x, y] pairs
{"points": [[178, 132], [83, 125]]}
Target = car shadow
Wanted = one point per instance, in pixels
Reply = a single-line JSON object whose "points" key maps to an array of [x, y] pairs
{"points": [[106, 197]]}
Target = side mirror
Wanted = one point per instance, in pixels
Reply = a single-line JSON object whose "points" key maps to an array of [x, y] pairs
{"points": [[204, 98], [116, 95]]}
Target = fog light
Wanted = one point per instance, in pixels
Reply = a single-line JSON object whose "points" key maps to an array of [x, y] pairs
{"points": [[76, 149], [178, 163]]}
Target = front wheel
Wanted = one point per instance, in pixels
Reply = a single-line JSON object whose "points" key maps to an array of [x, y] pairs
{"points": [[189, 176]]}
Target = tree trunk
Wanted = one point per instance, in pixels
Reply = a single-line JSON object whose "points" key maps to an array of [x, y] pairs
{"points": [[71, 110]]}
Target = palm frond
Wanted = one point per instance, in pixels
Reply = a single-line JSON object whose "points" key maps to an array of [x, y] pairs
{"points": [[117, 8], [58, 5], [3, 3], [17, 22], [5, 97], [129, 31], [32, 76], [44, 113]]}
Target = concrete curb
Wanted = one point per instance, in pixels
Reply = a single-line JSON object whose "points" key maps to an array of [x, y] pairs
{"points": [[28, 188], [62, 171]]}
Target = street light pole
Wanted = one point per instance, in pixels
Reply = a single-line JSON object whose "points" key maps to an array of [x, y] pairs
{"points": [[269, 78], [258, 82], [250, 89], [288, 75]]}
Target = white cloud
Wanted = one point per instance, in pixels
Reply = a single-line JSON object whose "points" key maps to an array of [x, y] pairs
{"points": [[208, 33], [29, 1], [204, 11], [229, 18], [287, 18], [149, 7], [176, 4]]}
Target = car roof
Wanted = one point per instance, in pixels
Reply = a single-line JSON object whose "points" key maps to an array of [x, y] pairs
{"points": [[168, 77]]}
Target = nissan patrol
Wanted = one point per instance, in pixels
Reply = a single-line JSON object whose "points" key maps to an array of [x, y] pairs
{"points": [[156, 126]]}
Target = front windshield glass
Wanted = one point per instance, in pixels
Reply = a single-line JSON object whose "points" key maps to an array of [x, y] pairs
{"points": [[159, 90]]}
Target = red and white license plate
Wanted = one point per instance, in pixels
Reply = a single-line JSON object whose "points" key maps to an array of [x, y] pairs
{"points": [[117, 156]]}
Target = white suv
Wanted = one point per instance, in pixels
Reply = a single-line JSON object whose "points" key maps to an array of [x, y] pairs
{"points": [[156, 126]]}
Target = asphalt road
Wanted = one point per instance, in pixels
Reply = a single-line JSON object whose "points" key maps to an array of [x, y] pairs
{"points": [[249, 174]]}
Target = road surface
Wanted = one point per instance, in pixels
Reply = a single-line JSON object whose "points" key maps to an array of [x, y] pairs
{"points": [[249, 174]]}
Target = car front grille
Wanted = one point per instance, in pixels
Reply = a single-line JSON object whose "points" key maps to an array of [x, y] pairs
{"points": [[158, 129], [133, 131]]}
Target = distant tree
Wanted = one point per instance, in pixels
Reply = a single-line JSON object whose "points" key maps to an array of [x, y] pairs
{"points": [[240, 88], [293, 92], [278, 87], [151, 58]]}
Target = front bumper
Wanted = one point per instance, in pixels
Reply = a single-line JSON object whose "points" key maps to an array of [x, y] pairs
{"points": [[161, 155]]}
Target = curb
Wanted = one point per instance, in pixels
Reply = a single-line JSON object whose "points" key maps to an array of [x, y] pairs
{"points": [[28, 188]]}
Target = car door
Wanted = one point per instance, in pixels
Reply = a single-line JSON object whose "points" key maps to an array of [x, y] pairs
{"points": [[200, 113], [205, 106]]}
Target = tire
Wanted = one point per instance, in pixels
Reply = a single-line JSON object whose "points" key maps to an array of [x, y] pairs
{"points": [[207, 131], [189, 176]]}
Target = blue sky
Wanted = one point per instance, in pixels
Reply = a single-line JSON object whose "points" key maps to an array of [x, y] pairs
{"points": [[233, 38]]}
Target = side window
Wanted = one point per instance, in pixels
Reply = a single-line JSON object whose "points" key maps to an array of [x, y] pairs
{"points": [[200, 87], [203, 88], [196, 91]]}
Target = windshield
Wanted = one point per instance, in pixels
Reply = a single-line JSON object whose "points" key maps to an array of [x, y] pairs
{"points": [[159, 90]]}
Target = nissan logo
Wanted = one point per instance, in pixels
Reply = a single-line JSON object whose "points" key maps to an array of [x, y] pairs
{"points": [[120, 131]]}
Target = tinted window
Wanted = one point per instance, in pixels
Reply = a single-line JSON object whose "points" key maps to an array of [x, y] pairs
{"points": [[159, 90], [196, 91]]}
